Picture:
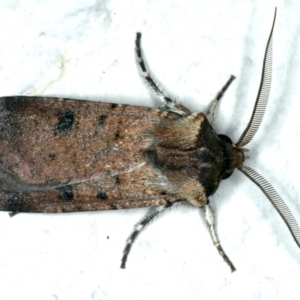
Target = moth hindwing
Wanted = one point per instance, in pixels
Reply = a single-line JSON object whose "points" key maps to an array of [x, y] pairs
{"points": [[64, 155]]}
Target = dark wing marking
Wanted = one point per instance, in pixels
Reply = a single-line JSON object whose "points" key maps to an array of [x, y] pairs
{"points": [[70, 155]]}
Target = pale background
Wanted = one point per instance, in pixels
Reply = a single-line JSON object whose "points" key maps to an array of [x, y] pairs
{"points": [[85, 50]]}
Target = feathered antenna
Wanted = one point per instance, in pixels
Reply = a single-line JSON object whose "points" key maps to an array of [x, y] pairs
{"points": [[249, 132], [262, 95]]}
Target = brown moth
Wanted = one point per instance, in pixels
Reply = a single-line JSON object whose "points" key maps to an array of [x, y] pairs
{"points": [[64, 155]]}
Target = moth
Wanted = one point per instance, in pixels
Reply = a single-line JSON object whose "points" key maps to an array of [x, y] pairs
{"points": [[65, 155]]}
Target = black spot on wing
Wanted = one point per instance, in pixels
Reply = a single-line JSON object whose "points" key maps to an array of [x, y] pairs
{"points": [[11, 104], [65, 121], [151, 157], [102, 195], [14, 204], [101, 119], [114, 105], [52, 156], [66, 193], [117, 178]]}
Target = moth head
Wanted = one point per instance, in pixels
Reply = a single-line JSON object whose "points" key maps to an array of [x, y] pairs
{"points": [[235, 156]]}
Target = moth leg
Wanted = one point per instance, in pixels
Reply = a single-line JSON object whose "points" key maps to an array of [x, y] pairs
{"points": [[137, 229], [211, 111], [168, 103], [210, 220]]}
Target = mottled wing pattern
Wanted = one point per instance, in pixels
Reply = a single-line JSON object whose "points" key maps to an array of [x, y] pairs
{"points": [[68, 155]]}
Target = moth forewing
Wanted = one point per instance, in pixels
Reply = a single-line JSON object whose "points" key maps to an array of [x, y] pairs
{"points": [[82, 156]]}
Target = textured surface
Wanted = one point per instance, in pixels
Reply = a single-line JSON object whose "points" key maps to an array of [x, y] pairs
{"points": [[86, 51], [64, 155]]}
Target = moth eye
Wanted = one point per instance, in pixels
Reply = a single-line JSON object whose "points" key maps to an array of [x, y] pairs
{"points": [[224, 138], [226, 175]]}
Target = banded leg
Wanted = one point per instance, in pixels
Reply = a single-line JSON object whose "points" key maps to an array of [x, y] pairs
{"points": [[137, 229], [209, 217], [168, 103], [211, 110]]}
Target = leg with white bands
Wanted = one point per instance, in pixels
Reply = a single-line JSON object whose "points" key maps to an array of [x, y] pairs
{"points": [[168, 103], [211, 111], [137, 229], [209, 217]]}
